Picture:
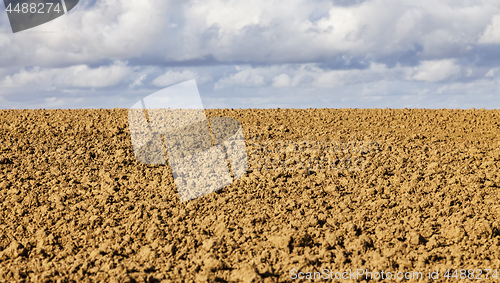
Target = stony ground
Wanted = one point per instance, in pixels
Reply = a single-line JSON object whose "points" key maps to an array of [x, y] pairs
{"points": [[378, 190]]}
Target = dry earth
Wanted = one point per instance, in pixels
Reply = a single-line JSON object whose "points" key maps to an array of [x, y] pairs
{"points": [[76, 206]]}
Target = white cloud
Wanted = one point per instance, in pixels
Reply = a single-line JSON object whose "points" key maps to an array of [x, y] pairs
{"points": [[282, 80], [265, 31], [306, 76], [492, 32], [283, 32], [479, 89], [53, 102], [80, 76], [434, 71], [333, 78], [110, 29], [173, 77], [247, 77]]}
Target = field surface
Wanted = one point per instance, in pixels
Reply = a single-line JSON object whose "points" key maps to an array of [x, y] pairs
{"points": [[337, 189]]}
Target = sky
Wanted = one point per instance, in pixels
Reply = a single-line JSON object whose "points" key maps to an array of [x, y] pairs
{"points": [[258, 54]]}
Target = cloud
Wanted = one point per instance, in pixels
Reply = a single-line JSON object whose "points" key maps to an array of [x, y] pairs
{"points": [[246, 76], [282, 80], [491, 34], [333, 78], [109, 29], [53, 102], [173, 77], [277, 32], [306, 76], [269, 32], [434, 71], [79, 76]]}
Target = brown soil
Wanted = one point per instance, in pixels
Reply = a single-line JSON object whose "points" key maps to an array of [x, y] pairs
{"points": [[76, 206]]}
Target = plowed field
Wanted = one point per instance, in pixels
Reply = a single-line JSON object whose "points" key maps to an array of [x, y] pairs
{"points": [[375, 190]]}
